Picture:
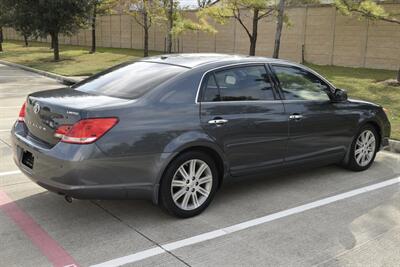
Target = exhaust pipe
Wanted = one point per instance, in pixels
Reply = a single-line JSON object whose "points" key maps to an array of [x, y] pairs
{"points": [[68, 199]]}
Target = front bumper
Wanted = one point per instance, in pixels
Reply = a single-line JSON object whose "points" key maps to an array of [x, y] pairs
{"points": [[84, 171]]}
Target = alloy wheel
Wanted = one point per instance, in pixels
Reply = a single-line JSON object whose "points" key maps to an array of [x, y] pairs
{"points": [[191, 184], [365, 148]]}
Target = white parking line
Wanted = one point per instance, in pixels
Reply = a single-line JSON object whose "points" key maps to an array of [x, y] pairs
{"points": [[10, 107], [5, 130], [9, 173], [241, 226]]}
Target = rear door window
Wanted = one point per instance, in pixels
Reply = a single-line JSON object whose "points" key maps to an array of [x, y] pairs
{"points": [[247, 83], [129, 81]]}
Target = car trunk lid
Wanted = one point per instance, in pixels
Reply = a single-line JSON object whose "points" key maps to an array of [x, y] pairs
{"points": [[47, 110]]}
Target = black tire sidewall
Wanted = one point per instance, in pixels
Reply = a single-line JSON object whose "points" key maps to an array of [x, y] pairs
{"points": [[166, 201], [353, 165]]}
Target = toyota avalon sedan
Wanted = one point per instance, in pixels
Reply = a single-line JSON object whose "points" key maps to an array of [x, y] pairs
{"points": [[172, 128]]}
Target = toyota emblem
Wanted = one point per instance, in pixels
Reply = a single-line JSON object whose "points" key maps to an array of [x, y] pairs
{"points": [[36, 108]]}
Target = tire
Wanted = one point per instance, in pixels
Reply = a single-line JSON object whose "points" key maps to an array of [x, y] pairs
{"points": [[365, 155], [192, 190]]}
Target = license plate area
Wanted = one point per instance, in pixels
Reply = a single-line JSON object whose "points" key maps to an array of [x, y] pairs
{"points": [[27, 159]]}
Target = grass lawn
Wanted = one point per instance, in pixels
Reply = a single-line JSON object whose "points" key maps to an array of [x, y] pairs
{"points": [[366, 84], [360, 83], [75, 60]]}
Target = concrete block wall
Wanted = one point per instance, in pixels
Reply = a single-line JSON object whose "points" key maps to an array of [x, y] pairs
{"points": [[328, 37]]}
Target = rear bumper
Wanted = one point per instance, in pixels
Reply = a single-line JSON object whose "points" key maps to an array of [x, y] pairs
{"points": [[84, 171]]}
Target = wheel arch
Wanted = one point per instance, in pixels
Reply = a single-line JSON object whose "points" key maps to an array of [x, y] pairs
{"points": [[362, 124], [376, 126], [208, 149]]}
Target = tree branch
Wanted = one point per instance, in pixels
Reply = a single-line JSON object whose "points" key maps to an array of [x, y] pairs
{"points": [[371, 16], [237, 17], [138, 21], [266, 14]]}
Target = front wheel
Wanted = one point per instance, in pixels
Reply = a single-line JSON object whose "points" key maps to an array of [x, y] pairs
{"points": [[363, 149], [189, 184]]}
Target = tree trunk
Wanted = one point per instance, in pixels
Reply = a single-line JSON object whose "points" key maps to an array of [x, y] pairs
{"points": [[253, 37], [93, 49], [279, 25], [1, 39], [398, 75], [170, 15], [54, 41], [146, 34], [26, 40]]}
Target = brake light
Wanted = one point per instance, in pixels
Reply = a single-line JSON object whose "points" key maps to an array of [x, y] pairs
{"points": [[85, 131], [62, 130], [21, 116]]}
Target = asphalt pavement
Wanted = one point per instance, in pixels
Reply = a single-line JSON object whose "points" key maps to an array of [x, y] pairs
{"points": [[324, 217]]}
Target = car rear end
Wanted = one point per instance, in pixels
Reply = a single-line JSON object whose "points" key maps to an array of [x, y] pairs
{"points": [[55, 139]]}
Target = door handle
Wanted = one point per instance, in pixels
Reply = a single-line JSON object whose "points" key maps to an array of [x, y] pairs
{"points": [[217, 121], [296, 117]]}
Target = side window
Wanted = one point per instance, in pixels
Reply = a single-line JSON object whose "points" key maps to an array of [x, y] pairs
{"points": [[299, 84], [238, 84], [211, 91]]}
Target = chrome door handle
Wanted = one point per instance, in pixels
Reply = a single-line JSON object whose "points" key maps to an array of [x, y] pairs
{"points": [[296, 117], [218, 121]]}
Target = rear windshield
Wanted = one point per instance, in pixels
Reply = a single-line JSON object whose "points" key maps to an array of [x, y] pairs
{"points": [[129, 80]]}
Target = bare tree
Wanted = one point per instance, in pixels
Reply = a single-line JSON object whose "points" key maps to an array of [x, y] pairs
{"points": [[279, 26], [145, 13], [169, 6], [239, 10]]}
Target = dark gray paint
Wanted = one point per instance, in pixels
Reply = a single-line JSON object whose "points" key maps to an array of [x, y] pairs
{"points": [[128, 161]]}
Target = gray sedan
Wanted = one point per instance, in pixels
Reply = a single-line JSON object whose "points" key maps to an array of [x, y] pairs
{"points": [[172, 128]]}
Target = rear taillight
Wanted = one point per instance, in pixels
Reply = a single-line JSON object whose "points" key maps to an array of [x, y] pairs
{"points": [[21, 116], [85, 131], [62, 130]]}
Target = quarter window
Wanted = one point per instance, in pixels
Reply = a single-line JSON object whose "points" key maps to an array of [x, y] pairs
{"points": [[247, 83], [299, 84]]}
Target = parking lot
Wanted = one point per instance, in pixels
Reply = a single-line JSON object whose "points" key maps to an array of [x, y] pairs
{"points": [[325, 217]]}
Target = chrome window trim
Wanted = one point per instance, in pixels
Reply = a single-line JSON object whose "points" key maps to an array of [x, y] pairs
{"points": [[243, 101], [226, 66], [303, 100]]}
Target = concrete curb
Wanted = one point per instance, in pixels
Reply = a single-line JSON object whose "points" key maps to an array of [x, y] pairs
{"points": [[60, 78], [394, 146]]}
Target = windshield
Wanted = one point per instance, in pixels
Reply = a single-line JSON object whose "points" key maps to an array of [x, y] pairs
{"points": [[129, 80]]}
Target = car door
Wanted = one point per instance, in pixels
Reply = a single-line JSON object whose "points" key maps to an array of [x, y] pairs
{"points": [[240, 110], [319, 129]]}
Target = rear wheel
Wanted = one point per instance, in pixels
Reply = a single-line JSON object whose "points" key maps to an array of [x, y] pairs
{"points": [[363, 149], [189, 184]]}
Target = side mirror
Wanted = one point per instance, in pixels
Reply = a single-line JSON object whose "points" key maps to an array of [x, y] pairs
{"points": [[340, 95]]}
